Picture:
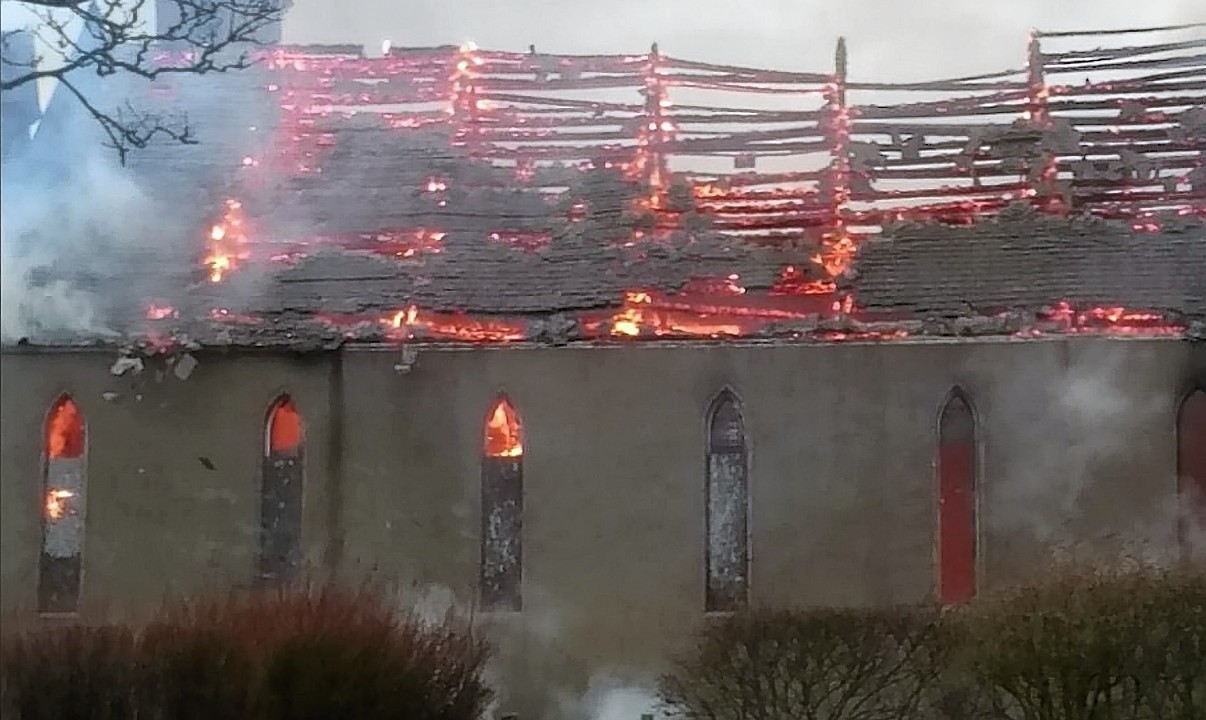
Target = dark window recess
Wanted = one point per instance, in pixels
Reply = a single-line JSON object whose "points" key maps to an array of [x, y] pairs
{"points": [[1191, 472], [283, 478], [727, 509], [59, 584], [63, 506], [502, 511], [956, 502]]}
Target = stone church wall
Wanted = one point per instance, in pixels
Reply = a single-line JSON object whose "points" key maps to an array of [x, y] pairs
{"points": [[1075, 441]]}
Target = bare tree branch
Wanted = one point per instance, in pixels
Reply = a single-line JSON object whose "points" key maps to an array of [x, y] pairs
{"points": [[112, 37]]}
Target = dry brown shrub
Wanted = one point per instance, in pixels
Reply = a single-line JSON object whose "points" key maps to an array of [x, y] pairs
{"points": [[304, 653]]}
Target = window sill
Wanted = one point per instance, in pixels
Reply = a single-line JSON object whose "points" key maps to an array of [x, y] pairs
{"points": [[74, 615]]}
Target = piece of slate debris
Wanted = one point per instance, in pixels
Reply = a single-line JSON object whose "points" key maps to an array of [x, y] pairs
{"points": [[125, 364], [185, 366]]}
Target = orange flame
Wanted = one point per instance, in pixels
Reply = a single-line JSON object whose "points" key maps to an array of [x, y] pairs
{"points": [[454, 326], [504, 436], [836, 256], [792, 282], [284, 428], [639, 317], [708, 190], [57, 505], [226, 244], [65, 431]]}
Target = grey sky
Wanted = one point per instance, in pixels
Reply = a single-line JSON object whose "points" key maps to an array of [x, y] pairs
{"points": [[888, 39]]}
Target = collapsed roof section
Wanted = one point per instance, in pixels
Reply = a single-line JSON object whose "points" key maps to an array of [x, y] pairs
{"points": [[456, 194]]}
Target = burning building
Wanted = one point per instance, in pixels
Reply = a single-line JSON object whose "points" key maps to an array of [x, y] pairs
{"points": [[604, 344]]}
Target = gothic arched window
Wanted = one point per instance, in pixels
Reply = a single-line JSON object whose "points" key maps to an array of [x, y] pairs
{"points": [[502, 509], [957, 501], [727, 490], [1191, 470], [64, 502], [281, 492]]}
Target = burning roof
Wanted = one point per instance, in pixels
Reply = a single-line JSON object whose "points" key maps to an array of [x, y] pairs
{"points": [[456, 194]]}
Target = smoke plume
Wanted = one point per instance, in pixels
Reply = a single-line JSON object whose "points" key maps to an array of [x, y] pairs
{"points": [[61, 238], [1081, 431], [611, 697]]}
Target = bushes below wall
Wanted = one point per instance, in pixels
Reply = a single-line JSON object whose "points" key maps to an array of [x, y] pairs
{"points": [[299, 655], [1084, 646]]}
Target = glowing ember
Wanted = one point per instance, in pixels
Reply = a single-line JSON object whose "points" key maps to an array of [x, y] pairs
{"points": [[578, 210], [1108, 320], [451, 326], [638, 318], [703, 191], [65, 431], [503, 433], [793, 281], [838, 253], [159, 312], [224, 315], [729, 286], [58, 503], [529, 240], [649, 162]]}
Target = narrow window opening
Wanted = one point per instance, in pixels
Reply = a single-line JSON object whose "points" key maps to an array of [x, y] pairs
{"points": [[281, 493], [502, 509], [1191, 472], [957, 502], [63, 509], [727, 552]]}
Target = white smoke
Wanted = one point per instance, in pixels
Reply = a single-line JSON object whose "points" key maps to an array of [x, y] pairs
{"points": [[55, 234], [1076, 429], [30, 310], [612, 697]]}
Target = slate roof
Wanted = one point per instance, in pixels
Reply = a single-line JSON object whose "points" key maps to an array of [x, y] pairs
{"points": [[370, 183], [1026, 259], [476, 275]]}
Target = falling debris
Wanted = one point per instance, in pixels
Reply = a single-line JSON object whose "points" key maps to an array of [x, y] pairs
{"points": [[110, 396], [410, 355], [206, 463], [126, 364], [184, 366]]}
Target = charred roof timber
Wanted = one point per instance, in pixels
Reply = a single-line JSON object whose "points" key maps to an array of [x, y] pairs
{"points": [[455, 194]]}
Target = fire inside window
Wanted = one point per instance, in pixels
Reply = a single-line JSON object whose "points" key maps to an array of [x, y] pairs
{"points": [[956, 502], [1191, 472], [502, 509], [727, 508], [281, 493], [59, 571]]}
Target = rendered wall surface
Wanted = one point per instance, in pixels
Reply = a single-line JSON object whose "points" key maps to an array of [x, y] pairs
{"points": [[1075, 442], [159, 521]]}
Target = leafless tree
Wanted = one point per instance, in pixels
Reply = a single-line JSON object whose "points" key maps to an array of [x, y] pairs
{"points": [[110, 37]]}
